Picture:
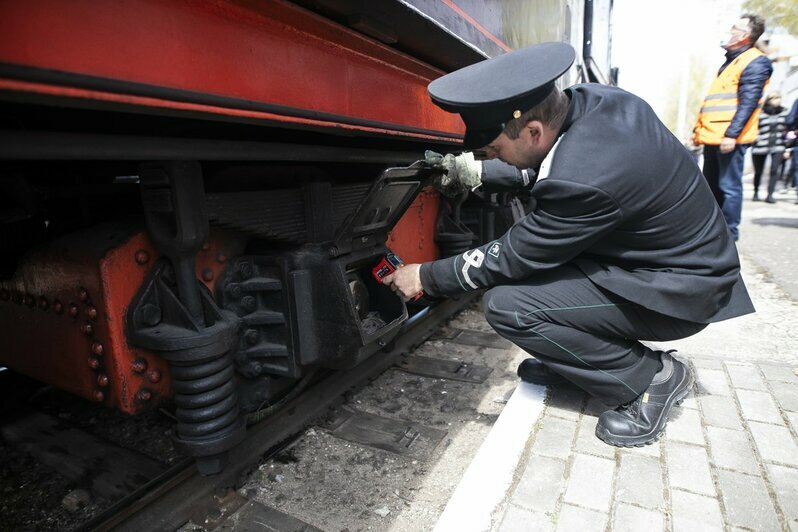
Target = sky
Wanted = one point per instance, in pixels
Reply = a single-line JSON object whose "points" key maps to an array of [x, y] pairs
{"points": [[654, 41]]}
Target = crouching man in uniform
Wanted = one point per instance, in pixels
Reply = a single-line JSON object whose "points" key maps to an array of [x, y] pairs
{"points": [[625, 241]]}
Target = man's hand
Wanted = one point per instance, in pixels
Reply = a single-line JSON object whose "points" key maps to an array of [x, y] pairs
{"points": [[727, 145], [463, 173], [406, 281]]}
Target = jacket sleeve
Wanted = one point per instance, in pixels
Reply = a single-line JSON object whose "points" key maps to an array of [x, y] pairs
{"points": [[792, 117], [568, 218], [498, 176], [749, 91]]}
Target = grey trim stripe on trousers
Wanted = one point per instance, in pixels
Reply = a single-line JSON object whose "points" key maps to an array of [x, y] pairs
{"points": [[586, 334]]}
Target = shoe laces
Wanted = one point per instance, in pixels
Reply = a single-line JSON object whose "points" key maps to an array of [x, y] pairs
{"points": [[632, 406]]}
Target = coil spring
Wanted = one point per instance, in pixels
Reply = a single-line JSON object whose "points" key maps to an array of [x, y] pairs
{"points": [[205, 397]]}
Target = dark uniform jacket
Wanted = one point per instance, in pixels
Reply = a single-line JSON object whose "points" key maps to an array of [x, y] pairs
{"points": [[622, 199]]}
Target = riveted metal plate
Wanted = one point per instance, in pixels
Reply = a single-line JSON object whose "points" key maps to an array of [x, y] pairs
{"points": [[468, 337], [456, 370], [395, 435]]}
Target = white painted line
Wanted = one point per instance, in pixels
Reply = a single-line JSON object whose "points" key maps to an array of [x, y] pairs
{"points": [[486, 481]]}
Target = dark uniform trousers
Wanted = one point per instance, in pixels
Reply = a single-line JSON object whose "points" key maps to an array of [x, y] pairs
{"points": [[586, 334]]}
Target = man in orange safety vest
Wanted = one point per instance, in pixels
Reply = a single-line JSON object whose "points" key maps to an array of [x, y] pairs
{"points": [[728, 120]]}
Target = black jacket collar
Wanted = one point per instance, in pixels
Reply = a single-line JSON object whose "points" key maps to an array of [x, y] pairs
{"points": [[731, 55], [574, 109]]}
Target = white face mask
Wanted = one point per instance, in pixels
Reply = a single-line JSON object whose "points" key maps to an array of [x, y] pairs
{"points": [[724, 39], [734, 38]]}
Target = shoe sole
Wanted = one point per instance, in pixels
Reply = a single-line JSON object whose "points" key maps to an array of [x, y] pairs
{"points": [[551, 380], [546, 382], [648, 439]]}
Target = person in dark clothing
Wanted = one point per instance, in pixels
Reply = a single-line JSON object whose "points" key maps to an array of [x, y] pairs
{"points": [[792, 142], [624, 241], [728, 120], [770, 142]]}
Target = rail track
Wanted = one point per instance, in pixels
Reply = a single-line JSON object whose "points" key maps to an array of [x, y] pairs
{"points": [[152, 495]]}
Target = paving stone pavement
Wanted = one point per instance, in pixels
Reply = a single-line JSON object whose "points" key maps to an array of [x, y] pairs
{"points": [[727, 461]]}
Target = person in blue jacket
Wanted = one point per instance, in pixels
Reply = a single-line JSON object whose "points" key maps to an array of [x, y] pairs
{"points": [[624, 241]]}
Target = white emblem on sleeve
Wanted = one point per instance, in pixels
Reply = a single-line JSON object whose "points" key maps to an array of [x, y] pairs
{"points": [[471, 258]]}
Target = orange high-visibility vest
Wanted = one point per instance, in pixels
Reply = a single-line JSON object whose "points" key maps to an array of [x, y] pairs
{"points": [[720, 104]]}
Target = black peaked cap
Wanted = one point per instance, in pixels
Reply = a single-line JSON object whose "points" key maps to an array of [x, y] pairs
{"points": [[489, 94]]}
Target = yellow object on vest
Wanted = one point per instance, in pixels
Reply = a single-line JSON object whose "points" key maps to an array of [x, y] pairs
{"points": [[720, 104]]}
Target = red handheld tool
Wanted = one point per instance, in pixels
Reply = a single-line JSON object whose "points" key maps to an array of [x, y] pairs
{"points": [[389, 264]]}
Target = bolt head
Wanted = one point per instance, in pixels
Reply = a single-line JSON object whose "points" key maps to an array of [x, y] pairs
{"points": [[99, 395], [246, 270], [140, 365], [207, 275], [150, 315], [97, 348], [142, 257], [235, 290], [58, 307], [249, 303], [86, 329], [91, 312], [83, 294], [144, 394], [102, 380], [73, 310], [94, 362], [154, 376], [221, 258], [43, 303], [251, 336]]}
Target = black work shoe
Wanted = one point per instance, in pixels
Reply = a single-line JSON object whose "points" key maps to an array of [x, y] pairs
{"points": [[536, 372], [642, 421]]}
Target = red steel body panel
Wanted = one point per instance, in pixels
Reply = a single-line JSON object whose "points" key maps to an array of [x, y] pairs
{"points": [[62, 316], [413, 236], [268, 52]]}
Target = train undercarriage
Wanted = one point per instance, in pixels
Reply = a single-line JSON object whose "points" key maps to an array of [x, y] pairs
{"points": [[193, 195]]}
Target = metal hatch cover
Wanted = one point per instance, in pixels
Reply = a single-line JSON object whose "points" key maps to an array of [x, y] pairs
{"points": [[455, 370], [398, 436], [386, 202], [469, 337]]}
